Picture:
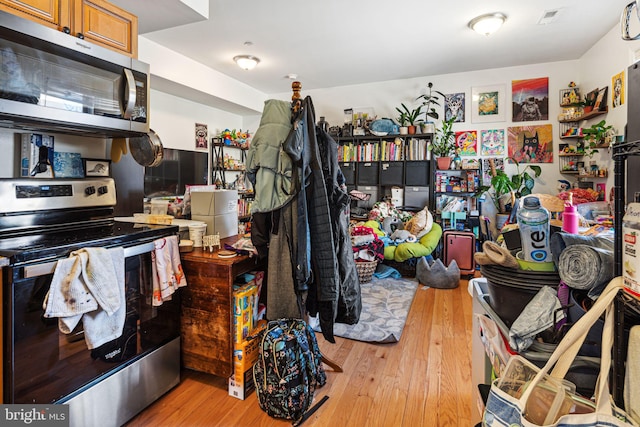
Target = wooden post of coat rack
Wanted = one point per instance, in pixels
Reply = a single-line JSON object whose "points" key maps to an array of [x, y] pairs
{"points": [[296, 104]]}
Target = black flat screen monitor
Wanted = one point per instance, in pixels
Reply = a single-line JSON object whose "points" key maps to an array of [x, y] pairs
{"points": [[178, 169]]}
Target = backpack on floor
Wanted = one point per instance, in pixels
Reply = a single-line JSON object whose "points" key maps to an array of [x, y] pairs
{"points": [[288, 369]]}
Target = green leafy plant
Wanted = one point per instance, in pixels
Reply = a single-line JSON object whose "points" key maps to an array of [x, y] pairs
{"points": [[429, 100], [444, 143], [407, 116], [517, 185], [594, 136]]}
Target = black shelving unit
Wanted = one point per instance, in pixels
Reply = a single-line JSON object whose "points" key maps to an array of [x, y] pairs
{"points": [[411, 170], [217, 160], [624, 304]]}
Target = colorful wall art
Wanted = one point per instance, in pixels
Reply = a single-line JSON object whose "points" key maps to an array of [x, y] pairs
{"points": [[466, 142], [454, 106], [488, 104], [492, 142], [530, 99], [531, 144], [487, 162]]}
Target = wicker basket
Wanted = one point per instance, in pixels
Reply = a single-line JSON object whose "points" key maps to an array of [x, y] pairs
{"points": [[366, 270]]}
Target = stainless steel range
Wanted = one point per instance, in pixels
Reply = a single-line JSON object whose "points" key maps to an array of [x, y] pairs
{"points": [[41, 222]]}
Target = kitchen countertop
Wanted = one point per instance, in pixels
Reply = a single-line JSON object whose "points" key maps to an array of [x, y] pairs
{"points": [[4, 261], [183, 224]]}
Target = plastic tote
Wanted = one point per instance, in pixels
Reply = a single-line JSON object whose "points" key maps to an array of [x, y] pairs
{"points": [[515, 409]]}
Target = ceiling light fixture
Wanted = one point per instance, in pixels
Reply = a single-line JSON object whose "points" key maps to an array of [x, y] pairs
{"points": [[487, 24], [246, 62]]}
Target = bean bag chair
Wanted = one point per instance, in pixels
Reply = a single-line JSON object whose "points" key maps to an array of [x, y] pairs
{"points": [[422, 247]]}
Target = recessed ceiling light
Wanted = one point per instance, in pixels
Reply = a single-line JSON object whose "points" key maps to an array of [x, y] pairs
{"points": [[246, 62], [487, 24], [291, 76]]}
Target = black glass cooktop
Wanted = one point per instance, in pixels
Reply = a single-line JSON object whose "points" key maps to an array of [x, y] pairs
{"points": [[59, 241]]}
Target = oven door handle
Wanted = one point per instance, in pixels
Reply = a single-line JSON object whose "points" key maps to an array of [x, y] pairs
{"points": [[50, 267]]}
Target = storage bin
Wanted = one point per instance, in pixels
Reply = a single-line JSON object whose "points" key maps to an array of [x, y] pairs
{"points": [[159, 206]]}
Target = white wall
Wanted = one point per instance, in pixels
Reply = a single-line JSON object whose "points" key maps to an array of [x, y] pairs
{"points": [[174, 118], [383, 97], [93, 148], [598, 65]]}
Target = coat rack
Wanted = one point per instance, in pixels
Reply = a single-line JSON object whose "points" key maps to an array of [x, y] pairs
{"points": [[296, 104]]}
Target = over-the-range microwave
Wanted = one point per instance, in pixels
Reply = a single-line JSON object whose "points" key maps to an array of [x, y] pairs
{"points": [[52, 81]]}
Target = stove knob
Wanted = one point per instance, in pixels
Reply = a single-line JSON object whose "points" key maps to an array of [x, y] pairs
{"points": [[103, 190], [90, 190]]}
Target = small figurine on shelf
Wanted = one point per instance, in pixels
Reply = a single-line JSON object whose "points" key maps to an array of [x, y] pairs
{"points": [[457, 161], [226, 137], [242, 139]]}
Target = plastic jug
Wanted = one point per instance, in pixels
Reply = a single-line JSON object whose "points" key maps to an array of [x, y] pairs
{"points": [[533, 221]]}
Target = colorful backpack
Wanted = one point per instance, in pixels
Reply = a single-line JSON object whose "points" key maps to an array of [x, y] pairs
{"points": [[288, 369]]}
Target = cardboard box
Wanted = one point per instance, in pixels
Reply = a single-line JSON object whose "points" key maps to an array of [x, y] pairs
{"points": [[244, 306], [631, 249], [226, 225], [30, 154], [242, 388], [245, 356], [218, 209], [214, 202]]}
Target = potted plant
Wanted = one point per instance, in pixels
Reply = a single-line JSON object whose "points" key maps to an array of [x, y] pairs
{"points": [[429, 100], [411, 117], [594, 136], [588, 103], [504, 189], [403, 121], [444, 144]]}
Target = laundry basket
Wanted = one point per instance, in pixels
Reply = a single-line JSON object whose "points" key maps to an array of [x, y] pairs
{"points": [[366, 270]]}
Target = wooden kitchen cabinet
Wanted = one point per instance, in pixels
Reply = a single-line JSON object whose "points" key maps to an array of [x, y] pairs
{"points": [[106, 24], [52, 13], [207, 332], [97, 21]]}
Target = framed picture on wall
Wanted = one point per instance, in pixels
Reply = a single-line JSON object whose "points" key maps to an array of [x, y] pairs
{"points": [[488, 104], [601, 99], [97, 167]]}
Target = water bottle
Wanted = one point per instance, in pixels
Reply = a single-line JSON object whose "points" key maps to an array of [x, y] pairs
{"points": [[533, 220], [570, 218]]}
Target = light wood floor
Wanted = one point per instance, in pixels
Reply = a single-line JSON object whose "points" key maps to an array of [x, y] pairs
{"points": [[424, 380]]}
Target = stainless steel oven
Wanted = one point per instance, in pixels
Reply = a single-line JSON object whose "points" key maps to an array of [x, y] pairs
{"points": [[43, 222]]}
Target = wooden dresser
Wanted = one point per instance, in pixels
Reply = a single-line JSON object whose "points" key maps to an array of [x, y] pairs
{"points": [[207, 309]]}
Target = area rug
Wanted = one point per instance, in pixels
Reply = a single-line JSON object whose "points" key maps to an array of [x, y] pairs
{"points": [[385, 306]]}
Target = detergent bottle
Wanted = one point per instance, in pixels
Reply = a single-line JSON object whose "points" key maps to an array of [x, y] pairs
{"points": [[570, 217], [533, 221]]}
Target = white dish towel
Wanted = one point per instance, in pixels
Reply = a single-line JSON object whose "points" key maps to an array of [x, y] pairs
{"points": [[89, 286], [167, 269]]}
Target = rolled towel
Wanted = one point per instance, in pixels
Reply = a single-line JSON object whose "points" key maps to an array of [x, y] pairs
{"points": [[585, 267], [560, 240]]}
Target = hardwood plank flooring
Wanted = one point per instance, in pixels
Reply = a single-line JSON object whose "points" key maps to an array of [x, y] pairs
{"points": [[424, 380]]}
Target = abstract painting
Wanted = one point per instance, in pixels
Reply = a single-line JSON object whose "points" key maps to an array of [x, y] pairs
{"points": [[454, 107], [466, 143], [487, 163], [531, 144], [488, 104], [530, 99], [492, 142], [67, 165]]}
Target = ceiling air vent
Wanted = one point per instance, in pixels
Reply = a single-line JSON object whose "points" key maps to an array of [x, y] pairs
{"points": [[548, 16]]}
